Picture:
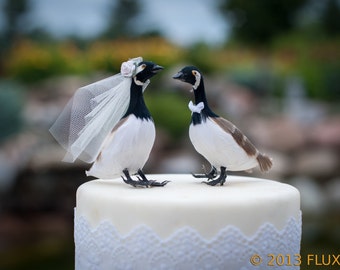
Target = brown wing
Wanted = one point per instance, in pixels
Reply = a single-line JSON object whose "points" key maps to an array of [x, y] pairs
{"points": [[264, 161], [239, 137]]}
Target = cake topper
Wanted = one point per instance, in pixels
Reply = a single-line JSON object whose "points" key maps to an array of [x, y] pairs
{"points": [[217, 139], [108, 124]]}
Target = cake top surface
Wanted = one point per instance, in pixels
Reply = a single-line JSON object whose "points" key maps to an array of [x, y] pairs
{"points": [[243, 202]]}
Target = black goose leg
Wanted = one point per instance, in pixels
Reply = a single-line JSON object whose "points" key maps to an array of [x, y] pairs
{"points": [[220, 180], [128, 180], [151, 183], [142, 180], [210, 175]]}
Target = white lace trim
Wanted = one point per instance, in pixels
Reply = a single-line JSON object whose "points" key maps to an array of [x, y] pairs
{"points": [[104, 247]]}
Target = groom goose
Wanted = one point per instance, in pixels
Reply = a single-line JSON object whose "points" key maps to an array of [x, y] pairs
{"points": [[217, 139]]}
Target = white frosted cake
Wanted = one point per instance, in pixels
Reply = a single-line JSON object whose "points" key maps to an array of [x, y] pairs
{"points": [[186, 224]]}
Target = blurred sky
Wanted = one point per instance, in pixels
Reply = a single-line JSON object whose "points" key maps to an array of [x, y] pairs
{"points": [[183, 22]]}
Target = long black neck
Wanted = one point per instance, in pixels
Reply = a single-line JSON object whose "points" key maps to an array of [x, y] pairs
{"points": [[137, 104], [197, 118]]}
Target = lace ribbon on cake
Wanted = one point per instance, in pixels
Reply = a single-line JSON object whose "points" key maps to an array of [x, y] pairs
{"points": [[104, 248]]}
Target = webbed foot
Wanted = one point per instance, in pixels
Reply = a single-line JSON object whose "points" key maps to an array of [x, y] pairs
{"points": [[153, 183], [142, 180], [210, 175], [220, 180]]}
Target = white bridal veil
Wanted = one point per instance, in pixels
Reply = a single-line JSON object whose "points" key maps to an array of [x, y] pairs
{"points": [[92, 113]]}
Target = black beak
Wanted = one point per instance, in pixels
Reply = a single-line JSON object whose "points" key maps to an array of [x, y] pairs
{"points": [[178, 76], [157, 68]]}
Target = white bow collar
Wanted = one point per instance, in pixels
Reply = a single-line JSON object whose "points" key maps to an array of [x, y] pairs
{"points": [[196, 108]]}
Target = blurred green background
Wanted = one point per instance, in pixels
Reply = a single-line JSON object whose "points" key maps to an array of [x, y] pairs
{"points": [[271, 67]]}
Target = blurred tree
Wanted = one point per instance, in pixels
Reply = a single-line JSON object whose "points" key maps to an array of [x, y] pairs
{"points": [[121, 15], [330, 19], [14, 10], [40, 35], [259, 21]]}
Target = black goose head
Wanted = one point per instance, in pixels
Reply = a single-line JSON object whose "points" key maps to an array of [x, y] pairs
{"points": [[189, 74], [193, 76], [146, 70]]}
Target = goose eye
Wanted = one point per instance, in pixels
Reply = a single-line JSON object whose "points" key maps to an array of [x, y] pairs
{"points": [[143, 66], [194, 72]]}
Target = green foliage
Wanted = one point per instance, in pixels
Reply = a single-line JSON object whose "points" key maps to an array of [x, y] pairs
{"points": [[258, 22], [201, 56], [260, 80], [169, 111], [315, 61], [31, 62], [322, 80]]}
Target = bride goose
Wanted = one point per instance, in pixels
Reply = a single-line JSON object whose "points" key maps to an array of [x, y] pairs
{"points": [[108, 124]]}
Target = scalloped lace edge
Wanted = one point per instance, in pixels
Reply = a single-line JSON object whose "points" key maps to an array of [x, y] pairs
{"points": [[103, 247]]}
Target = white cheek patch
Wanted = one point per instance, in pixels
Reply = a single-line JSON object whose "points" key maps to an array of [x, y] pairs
{"points": [[140, 68], [197, 80], [138, 82]]}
